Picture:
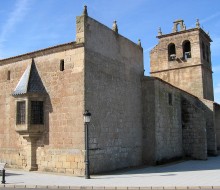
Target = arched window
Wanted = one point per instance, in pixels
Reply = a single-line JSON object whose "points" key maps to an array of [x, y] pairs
{"points": [[178, 27], [171, 52], [186, 49], [203, 50]]}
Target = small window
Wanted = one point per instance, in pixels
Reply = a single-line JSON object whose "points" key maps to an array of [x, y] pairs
{"points": [[62, 65], [37, 112], [21, 112], [203, 51], [171, 52], [9, 75], [207, 53], [187, 49], [170, 99]]}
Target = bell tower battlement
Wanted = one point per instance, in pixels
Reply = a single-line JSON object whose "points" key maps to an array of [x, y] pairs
{"points": [[183, 59]]}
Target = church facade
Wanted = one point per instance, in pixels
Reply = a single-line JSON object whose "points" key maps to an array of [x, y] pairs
{"points": [[136, 119]]}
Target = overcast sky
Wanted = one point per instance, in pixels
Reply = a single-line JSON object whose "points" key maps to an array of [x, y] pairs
{"points": [[28, 25]]}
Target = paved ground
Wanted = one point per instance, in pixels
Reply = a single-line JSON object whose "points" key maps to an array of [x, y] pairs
{"points": [[188, 173]]}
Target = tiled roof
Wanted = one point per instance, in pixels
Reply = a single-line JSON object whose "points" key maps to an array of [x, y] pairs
{"points": [[30, 82]]}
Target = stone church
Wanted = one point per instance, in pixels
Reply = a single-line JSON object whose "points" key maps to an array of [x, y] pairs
{"points": [[136, 119]]}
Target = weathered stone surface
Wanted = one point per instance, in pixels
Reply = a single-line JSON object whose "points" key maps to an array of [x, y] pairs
{"points": [[56, 150], [217, 123], [113, 70], [193, 74], [194, 131], [183, 128], [135, 119]]}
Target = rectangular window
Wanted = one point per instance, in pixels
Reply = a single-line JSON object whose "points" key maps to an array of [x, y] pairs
{"points": [[37, 112], [9, 75], [21, 113], [62, 65], [170, 97]]}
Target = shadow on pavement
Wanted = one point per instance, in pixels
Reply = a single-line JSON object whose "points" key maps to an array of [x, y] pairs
{"points": [[11, 174], [213, 163]]}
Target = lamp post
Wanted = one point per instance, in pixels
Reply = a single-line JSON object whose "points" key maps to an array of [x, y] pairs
{"points": [[87, 118]]}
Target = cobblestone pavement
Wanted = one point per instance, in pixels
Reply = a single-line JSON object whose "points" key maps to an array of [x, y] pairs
{"points": [[184, 175]]}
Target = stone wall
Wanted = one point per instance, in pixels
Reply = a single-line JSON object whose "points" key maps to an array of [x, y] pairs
{"points": [[194, 130], [113, 71], [193, 75], [208, 91], [174, 123], [168, 129], [162, 122], [10, 143], [60, 149], [149, 120], [208, 108], [207, 84], [181, 78], [217, 124], [66, 128]]}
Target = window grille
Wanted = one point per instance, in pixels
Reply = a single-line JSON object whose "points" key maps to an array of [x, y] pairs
{"points": [[37, 112], [21, 112]]}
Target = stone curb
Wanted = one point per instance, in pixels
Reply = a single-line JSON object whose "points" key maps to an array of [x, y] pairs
{"points": [[109, 188]]}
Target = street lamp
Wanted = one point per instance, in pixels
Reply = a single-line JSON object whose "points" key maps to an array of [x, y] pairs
{"points": [[87, 118]]}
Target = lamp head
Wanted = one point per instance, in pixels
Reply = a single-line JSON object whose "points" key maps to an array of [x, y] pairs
{"points": [[87, 116]]}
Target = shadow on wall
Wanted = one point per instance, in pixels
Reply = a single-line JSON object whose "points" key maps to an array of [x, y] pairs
{"points": [[36, 86], [44, 140]]}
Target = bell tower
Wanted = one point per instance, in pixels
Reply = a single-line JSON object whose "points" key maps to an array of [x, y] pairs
{"points": [[183, 59]]}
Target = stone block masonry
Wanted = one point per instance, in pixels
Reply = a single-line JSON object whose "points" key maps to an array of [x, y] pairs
{"points": [[95, 75], [113, 71], [135, 119], [193, 73], [194, 131], [60, 148], [174, 123], [217, 124]]}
